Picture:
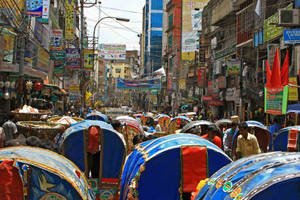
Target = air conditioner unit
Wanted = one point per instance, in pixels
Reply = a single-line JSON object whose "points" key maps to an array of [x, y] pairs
{"points": [[289, 17]]}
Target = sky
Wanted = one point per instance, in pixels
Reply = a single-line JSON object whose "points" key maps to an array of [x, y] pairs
{"points": [[110, 31]]}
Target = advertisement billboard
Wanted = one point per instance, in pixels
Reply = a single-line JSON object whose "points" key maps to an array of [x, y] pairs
{"points": [[138, 84], [113, 51], [191, 24], [70, 20], [56, 40], [276, 100], [38, 8], [88, 59]]}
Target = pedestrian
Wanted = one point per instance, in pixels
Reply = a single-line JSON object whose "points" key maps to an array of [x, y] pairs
{"points": [[212, 135], [157, 126], [228, 138], [10, 128], [246, 143], [2, 137]]}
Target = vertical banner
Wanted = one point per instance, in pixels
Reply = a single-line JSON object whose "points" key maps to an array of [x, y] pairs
{"points": [[88, 59], [43, 60], [276, 100], [70, 20], [201, 77], [293, 91], [56, 40], [73, 57]]}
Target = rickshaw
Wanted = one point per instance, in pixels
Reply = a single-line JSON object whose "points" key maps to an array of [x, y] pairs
{"points": [[201, 124], [163, 121], [223, 124], [169, 167], [287, 139], [95, 115], [33, 173], [260, 131], [268, 176], [178, 123], [132, 128], [78, 144]]}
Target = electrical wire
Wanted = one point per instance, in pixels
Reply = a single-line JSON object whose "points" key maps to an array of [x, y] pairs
{"points": [[123, 10]]}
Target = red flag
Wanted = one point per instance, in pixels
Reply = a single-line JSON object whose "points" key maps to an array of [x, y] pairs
{"points": [[269, 73], [285, 70], [276, 76]]}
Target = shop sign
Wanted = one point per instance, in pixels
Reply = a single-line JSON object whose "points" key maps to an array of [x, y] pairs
{"points": [[57, 55], [276, 100], [56, 43], [233, 67], [70, 20], [215, 103], [201, 77], [7, 67], [73, 57], [291, 36], [222, 82], [43, 60], [182, 84], [207, 98], [42, 34], [271, 30], [88, 59], [38, 8], [232, 94], [59, 71], [74, 88], [293, 91], [210, 86], [7, 47], [225, 52]]}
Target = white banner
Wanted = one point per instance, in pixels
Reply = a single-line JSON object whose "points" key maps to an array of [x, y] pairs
{"points": [[113, 51]]}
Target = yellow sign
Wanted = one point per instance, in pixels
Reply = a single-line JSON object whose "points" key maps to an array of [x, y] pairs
{"points": [[70, 20], [74, 88], [88, 59], [293, 91], [88, 95], [182, 84]]}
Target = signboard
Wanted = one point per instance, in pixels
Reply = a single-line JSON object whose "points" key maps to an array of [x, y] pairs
{"points": [[42, 34], [56, 40], [73, 57], [293, 91], [222, 82], [232, 94], [201, 77], [8, 43], [291, 36], [233, 66], [43, 60], [271, 30], [207, 98], [215, 102], [113, 51], [38, 8], [138, 84], [276, 100], [182, 84], [88, 59], [70, 20]]}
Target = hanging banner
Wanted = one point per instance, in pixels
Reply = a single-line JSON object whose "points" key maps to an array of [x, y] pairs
{"points": [[56, 40], [233, 67], [59, 71], [293, 91], [201, 77], [38, 8], [138, 84], [42, 34], [113, 51], [70, 20], [182, 84], [88, 59], [276, 100], [73, 58]]}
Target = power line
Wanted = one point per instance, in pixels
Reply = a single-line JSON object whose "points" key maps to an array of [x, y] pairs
{"points": [[123, 10]]}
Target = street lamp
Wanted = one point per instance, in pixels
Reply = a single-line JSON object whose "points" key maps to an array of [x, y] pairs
{"points": [[108, 17]]}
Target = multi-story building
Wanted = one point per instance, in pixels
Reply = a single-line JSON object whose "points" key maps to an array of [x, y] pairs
{"points": [[152, 35]]}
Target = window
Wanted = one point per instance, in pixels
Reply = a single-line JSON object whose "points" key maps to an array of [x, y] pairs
{"points": [[118, 70], [171, 21], [170, 41]]}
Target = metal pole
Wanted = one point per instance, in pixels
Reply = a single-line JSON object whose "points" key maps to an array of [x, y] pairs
{"points": [[82, 54], [241, 84]]}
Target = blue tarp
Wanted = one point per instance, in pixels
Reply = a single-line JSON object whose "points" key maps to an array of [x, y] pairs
{"points": [[264, 176], [95, 115], [162, 175]]}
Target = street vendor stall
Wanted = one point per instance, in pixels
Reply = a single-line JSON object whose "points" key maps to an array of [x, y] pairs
{"points": [[33, 173]]}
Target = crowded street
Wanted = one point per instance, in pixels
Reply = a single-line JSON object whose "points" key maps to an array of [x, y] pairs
{"points": [[149, 100]]}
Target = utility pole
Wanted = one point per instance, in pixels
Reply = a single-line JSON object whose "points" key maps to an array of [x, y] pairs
{"points": [[82, 54]]}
